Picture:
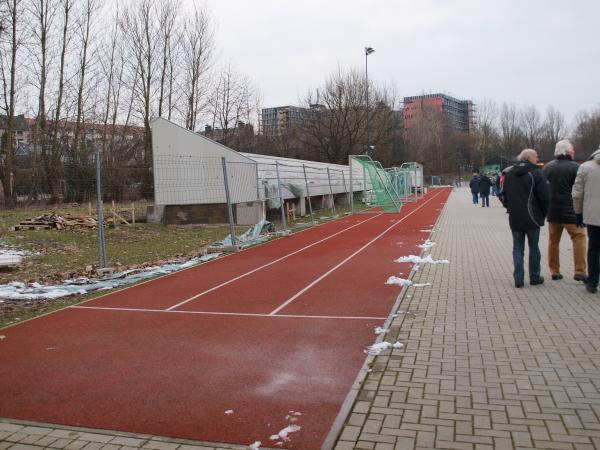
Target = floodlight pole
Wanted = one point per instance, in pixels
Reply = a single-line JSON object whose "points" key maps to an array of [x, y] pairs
{"points": [[228, 199], [368, 51]]}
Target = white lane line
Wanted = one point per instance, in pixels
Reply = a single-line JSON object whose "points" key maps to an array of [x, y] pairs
{"points": [[213, 313], [266, 265], [299, 293]]}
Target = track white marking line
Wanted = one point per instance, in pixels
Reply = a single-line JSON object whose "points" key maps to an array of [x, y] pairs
{"points": [[302, 291], [213, 313], [266, 265]]}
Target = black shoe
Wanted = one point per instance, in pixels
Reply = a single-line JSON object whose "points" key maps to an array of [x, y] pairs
{"points": [[534, 281], [579, 277], [519, 284], [591, 289], [557, 276]]}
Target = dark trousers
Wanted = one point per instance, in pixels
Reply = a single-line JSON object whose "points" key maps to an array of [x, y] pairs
{"points": [[533, 239], [475, 198], [593, 254], [485, 200]]}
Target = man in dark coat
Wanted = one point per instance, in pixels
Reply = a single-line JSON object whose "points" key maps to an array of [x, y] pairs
{"points": [[474, 185], [525, 195], [484, 189], [561, 173]]}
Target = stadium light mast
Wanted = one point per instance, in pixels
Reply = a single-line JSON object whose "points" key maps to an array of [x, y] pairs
{"points": [[368, 51]]}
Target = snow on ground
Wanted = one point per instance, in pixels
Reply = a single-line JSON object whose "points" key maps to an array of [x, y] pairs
{"points": [[421, 284], [427, 244], [255, 446], [17, 290], [376, 349], [418, 260], [399, 281], [381, 330], [283, 434], [426, 231], [229, 411]]}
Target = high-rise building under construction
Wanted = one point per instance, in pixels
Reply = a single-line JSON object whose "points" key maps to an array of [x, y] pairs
{"points": [[458, 114]]}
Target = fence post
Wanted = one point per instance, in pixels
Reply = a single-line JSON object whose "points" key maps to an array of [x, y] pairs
{"points": [[100, 212], [344, 181], [331, 192], [312, 219], [228, 198], [283, 220], [351, 190]]}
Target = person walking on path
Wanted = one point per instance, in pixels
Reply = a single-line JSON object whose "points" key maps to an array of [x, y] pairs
{"points": [[484, 189], [525, 196], [561, 173], [586, 202], [474, 185]]}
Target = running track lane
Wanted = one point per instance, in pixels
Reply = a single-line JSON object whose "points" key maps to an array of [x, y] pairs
{"points": [[175, 373], [166, 291]]}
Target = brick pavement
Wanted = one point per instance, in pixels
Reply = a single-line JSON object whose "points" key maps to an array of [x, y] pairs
{"points": [[485, 365]]}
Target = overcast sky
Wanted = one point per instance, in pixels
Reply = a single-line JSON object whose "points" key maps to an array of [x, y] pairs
{"points": [[541, 52]]}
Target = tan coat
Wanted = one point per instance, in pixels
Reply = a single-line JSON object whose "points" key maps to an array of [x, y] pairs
{"points": [[586, 190]]}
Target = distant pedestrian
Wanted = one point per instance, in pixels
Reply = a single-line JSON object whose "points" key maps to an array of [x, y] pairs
{"points": [[484, 189], [586, 202], [474, 185], [561, 173], [525, 195], [495, 181]]}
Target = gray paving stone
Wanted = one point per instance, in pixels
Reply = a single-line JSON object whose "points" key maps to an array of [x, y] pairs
{"points": [[486, 365]]}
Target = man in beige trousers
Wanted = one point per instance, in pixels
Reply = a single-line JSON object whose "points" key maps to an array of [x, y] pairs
{"points": [[561, 173]]}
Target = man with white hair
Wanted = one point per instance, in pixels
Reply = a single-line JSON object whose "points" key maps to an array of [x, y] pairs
{"points": [[561, 173], [525, 196], [586, 202]]}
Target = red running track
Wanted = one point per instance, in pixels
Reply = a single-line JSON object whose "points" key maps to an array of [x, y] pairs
{"points": [[276, 328]]}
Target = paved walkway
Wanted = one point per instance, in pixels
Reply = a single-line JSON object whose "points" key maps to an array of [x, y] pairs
{"points": [[485, 365]]}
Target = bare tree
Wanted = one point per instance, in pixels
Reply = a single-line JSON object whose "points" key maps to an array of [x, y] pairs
{"points": [[335, 125], [9, 60], [531, 124], [586, 133], [553, 130], [51, 158], [486, 134], [197, 54], [168, 14], [511, 135], [140, 26], [230, 101]]}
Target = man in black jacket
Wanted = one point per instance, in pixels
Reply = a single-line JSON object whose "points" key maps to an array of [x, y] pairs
{"points": [[561, 173], [484, 189], [525, 195], [474, 185]]}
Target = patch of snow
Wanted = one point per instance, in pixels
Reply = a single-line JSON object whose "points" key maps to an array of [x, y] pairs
{"points": [[2, 337], [381, 330], [229, 411], [427, 244], [421, 284], [399, 281], [398, 345], [283, 434], [426, 231], [17, 290], [376, 349], [418, 260], [255, 446], [274, 437]]}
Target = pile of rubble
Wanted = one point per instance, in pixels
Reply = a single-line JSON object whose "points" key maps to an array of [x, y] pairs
{"points": [[50, 221]]}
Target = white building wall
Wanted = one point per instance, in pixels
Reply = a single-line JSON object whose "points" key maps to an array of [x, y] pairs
{"points": [[188, 170]]}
